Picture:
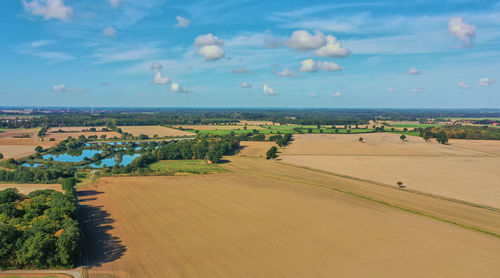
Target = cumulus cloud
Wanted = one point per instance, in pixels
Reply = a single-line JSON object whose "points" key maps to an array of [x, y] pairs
{"points": [[329, 66], [268, 91], [209, 46], [158, 77], [303, 40], [109, 31], [413, 71], [287, 72], [309, 65], [485, 82], [245, 85], [181, 22], [459, 29], [463, 85], [332, 48], [114, 3], [177, 88], [337, 94], [208, 39], [391, 90], [63, 88], [48, 9]]}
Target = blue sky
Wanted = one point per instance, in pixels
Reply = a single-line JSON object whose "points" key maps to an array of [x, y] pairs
{"points": [[242, 53]]}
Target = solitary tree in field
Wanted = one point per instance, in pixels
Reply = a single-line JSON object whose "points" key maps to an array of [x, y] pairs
{"points": [[442, 137], [400, 184], [360, 139], [405, 129], [402, 137], [38, 149], [427, 136], [103, 137], [271, 153]]}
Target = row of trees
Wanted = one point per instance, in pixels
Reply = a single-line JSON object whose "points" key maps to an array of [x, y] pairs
{"points": [[39, 230], [462, 132]]}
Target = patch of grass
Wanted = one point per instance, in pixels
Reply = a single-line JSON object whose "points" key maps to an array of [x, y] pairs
{"points": [[196, 166]]}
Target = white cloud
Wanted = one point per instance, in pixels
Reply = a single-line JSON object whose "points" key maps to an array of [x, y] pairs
{"points": [[181, 22], [268, 91], [329, 66], [337, 94], [245, 85], [156, 66], [413, 71], [209, 46], [109, 31], [303, 40], [159, 79], [211, 52], [59, 88], [333, 48], [63, 88], [314, 95], [458, 28], [308, 65], [208, 39], [114, 3], [463, 85], [485, 82], [36, 49], [287, 72], [391, 90], [48, 9], [177, 88]]}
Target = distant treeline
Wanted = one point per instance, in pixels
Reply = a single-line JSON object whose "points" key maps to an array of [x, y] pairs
{"points": [[464, 132], [39, 230]]}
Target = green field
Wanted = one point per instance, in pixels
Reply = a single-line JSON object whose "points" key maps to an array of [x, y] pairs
{"points": [[197, 166], [411, 133], [270, 129]]}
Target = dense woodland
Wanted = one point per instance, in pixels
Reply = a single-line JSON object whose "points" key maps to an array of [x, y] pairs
{"points": [[39, 230], [463, 132]]}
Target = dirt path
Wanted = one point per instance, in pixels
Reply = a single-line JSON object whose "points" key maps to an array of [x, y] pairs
{"points": [[76, 273]]}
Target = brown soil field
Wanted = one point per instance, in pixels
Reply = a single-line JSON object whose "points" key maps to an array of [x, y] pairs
{"points": [[257, 149], [25, 188], [218, 127], [29, 275], [16, 151], [257, 123], [247, 225], [150, 131], [445, 170], [11, 133]]}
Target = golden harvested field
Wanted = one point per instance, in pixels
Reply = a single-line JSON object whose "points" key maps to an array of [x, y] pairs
{"points": [[16, 151], [11, 133], [12, 147], [74, 128], [251, 148], [218, 127], [25, 188], [150, 131], [445, 170], [246, 225], [257, 123]]}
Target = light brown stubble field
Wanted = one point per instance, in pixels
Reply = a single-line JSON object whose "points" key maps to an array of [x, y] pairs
{"points": [[25, 188], [451, 171], [267, 223]]}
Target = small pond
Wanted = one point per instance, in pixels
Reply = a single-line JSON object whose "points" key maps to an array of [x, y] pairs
{"points": [[111, 161]]}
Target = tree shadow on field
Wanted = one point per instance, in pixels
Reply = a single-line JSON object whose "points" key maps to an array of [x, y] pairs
{"points": [[99, 245]]}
